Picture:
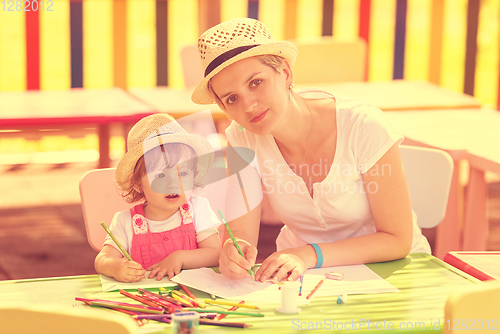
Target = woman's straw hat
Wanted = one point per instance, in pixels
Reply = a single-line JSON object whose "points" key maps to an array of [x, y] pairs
{"points": [[153, 131], [233, 40]]}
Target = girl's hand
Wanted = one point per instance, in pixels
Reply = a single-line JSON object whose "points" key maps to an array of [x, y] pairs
{"points": [[287, 261], [169, 266], [232, 264], [129, 271]]}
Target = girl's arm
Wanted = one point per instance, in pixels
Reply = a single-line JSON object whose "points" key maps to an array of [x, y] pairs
{"points": [[112, 263], [206, 255], [391, 208]]}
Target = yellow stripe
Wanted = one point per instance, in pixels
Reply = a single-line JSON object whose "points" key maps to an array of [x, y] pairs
{"points": [[141, 43], [309, 18], [98, 43], [417, 40], [272, 14], [182, 30], [382, 23], [486, 79], [12, 50], [231, 9], [55, 66], [346, 18], [454, 35]]}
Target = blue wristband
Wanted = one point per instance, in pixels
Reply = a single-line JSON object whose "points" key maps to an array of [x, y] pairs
{"points": [[319, 255]]}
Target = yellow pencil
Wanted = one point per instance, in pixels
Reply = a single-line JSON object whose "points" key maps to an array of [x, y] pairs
{"points": [[229, 303], [116, 242]]}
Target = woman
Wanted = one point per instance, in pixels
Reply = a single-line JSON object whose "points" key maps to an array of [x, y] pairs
{"points": [[331, 166]]}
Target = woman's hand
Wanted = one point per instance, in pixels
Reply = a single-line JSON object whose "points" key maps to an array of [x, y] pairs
{"points": [[232, 264], [169, 266], [293, 260]]}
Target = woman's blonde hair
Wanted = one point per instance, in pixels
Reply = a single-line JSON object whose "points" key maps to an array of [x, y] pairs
{"points": [[163, 157], [272, 61]]}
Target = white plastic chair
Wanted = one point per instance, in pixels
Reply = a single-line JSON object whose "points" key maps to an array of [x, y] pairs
{"points": [[100, 201], [428, 173], [329, 60], [51, 319], [475, 308]]}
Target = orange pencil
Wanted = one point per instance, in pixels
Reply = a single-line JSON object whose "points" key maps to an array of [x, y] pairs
{"points": [[314, 290]]}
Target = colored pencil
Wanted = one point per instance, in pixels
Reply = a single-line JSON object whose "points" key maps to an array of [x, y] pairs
{"points": [[229, 303], [314, 289], [212, 296], [223, 323], [139, 299], [116, 242], [234, 240], [131, 307], [183, 296], [189, 293], [182, 301], [89, 301], [234, 308], [250, 314], [301, 283], [168, 316]]}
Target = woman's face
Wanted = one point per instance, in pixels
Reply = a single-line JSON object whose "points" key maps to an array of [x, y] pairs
{"points": [[254, 94]]}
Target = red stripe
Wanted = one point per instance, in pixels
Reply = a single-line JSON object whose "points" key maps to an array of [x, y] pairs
{"points": [[364, 27], [32, 50]]}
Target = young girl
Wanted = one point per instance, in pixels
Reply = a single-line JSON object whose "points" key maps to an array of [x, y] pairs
{"points": [[172, 229]]}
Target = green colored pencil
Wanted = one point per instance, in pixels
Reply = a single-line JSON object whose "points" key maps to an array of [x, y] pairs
{"points": [[116, 242], [250, 314], [234, 239]]}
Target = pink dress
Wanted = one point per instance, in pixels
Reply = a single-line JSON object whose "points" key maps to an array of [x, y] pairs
{"points": [[149, 248]]}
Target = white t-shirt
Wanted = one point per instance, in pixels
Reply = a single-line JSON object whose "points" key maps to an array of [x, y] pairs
{"points": [[205, 223], [339, 208]]}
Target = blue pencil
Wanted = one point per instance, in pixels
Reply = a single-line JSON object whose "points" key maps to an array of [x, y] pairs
{"points": [[301, 283]]}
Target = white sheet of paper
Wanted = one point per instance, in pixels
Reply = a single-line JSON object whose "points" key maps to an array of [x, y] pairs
{"points": [[358, 279], [110, 284]]}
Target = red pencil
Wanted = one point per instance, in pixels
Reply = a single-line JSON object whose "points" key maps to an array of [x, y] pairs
{"points": [[234, 308], [189, 293]]}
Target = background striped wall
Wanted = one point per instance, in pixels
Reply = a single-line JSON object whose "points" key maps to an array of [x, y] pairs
{"points": [[136, 43]]}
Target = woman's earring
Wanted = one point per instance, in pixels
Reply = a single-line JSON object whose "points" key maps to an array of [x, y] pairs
{"points": [[240, 128], [290, 92]]}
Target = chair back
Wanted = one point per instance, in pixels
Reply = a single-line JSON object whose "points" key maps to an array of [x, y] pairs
{"points": [[52, 319], [191, 66], [476, 307], [101, 199], [329, 60], [428, 173]]}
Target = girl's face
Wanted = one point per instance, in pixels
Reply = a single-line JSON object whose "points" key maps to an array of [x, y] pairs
{"points": [[254, 94], [166, 190]]}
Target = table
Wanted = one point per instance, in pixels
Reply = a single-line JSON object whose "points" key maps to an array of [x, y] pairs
{"points": [[397, 95], [425, 283], [470, 134], [71, 110]]}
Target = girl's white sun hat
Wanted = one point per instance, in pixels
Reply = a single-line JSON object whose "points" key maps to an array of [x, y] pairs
{"points": [[233, 40], [153, 131]]}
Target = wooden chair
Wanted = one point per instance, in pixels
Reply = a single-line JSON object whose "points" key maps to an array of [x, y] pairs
{"points": [[191, 66], [473, 308], [50, 319], [328, 60]]}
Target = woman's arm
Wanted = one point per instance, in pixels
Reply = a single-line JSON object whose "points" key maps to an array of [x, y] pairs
{"points": [[112, 263], [391, 208]]}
